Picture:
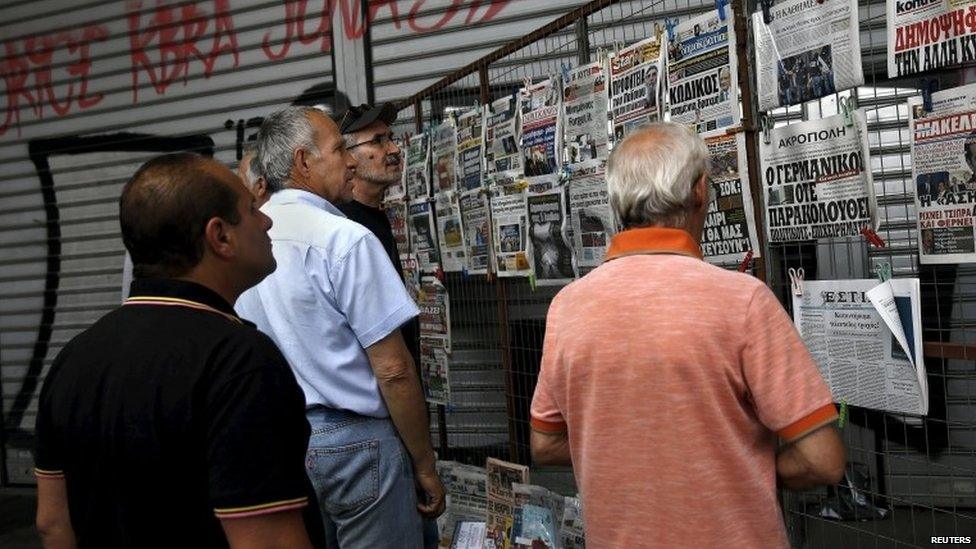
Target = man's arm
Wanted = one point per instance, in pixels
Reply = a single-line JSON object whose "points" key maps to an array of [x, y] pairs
{"points": [[550, 448], [283, 530], [814, 460], [53, 520], [400, 387]]}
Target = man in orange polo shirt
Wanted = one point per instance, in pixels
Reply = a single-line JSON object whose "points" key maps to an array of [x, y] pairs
{"points": [[666, 381]]}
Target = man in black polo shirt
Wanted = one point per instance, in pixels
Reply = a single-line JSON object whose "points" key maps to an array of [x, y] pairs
{"points": [[171, 422]]}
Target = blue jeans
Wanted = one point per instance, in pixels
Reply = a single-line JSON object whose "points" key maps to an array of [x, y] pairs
{"points": [[363, 477]]}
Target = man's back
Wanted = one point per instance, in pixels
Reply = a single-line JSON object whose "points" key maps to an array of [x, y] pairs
{"points": [[159, 418], [673, 378]]}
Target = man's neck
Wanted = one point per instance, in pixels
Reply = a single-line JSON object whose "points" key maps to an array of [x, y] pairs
{"points": [[368, 193], [214, 282]]}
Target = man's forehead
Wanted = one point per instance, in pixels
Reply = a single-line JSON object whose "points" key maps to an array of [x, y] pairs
{"points": [[377, 127]]}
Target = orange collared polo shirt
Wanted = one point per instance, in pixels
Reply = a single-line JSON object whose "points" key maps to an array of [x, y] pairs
{"points": [[674, 378]]}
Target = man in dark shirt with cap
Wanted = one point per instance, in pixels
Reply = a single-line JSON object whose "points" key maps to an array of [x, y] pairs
{"points": [[171, 422]]}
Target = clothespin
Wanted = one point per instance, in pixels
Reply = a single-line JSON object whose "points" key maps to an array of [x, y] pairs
{"points": [[796, 280], [765, 124], [564, 71], [746, 261], [658, 31], [842, 416], [670, 24], [532, 280], [873, 237], [884, 272], [439, 273], [766, 6], [929, 86], [720, 6], [848, 105]]}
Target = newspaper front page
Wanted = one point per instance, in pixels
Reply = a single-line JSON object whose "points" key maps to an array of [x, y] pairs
{"points": [[944, 172], [509, 225], [590, 215], [552, 254], [467, 498], [808, 50], [396, 213], [503, 136], [925, 35], [866, 339], [470, 149], [703, 90], [434, 370], [418, 160], [538, 512], [501, 501], [435, 311], [540, 128], [444, 156], [635, 79], [730, 230], [398, 190], [817, 180], [585, 134], [423, 235], [450, 235], [571, 530], [476, 223]]}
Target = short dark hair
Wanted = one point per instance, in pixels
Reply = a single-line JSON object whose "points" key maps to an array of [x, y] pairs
{"points": [[164, 210]]}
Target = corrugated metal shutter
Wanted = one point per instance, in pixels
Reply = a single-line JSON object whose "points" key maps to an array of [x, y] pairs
{"points": [[91, 91]]}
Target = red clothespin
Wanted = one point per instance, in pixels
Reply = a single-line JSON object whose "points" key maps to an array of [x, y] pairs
{"points": [[439, 274], [873, 237], [745, 262]]}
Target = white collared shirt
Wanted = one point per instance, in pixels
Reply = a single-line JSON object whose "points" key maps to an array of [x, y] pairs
{"points": [[333, 294]]}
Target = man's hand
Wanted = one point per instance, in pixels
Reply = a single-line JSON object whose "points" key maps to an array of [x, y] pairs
{"points": [[432, 491]]}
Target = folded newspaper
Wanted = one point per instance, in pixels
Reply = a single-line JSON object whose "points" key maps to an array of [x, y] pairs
{"points": [[866, 339]]}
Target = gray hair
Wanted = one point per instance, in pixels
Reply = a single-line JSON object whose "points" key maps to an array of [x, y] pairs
{"points": [[253, 172], [651, 175], [281, 134]]}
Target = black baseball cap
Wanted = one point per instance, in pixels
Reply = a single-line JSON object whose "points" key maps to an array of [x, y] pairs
{"points": [[357, 118]]}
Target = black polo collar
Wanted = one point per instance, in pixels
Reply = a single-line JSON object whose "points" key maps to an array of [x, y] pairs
{"points": [[170, 289]]}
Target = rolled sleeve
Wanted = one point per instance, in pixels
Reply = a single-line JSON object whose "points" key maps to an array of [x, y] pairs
{"points": [[49, 455], [785, 386], [369, 292], [546, 414]]}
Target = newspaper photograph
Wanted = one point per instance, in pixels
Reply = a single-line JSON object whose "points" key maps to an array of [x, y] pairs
{"points": [[540, 128], [476, 222], [396, 213], [585, 135], [730, 230], [552, 255], [450, 235], [470, 136], [703, 90], [808, 50], [416, 171], [635, 80], [590, 215], [925, 35], [444, 155], [866, 339], [944, 172], [508, 219], [434, 371], [435, 311], [423, 235], [503, 136], [817, 179], [501, 500]]}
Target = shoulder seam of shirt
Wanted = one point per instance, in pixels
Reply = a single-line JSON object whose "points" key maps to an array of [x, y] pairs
{"points": [[359, 240]]}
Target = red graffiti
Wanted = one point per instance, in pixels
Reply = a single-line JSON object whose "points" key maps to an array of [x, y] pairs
{"points": [[165, 49], [31, 81]]}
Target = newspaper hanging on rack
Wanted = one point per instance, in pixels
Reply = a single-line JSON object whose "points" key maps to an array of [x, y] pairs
{"points": [[396, 213], [552, 255], [476, 222], [444, 155], [635, 87], [470, 136], [434, 370], [925, 35], [730, 230], [866, 339], [450, 235], [590, 215], [509, 225], [585, 135], [540, 128], [817, 179], [435, 311], [423, 235], [810, 49], [944, 173], [703, 89], [502, 137], [418, 160], [398, 189]]}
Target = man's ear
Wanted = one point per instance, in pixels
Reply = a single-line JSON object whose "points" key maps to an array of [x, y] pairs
{"points": [[218, 239], [261, 188], [700, 193], [300, 166]]}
